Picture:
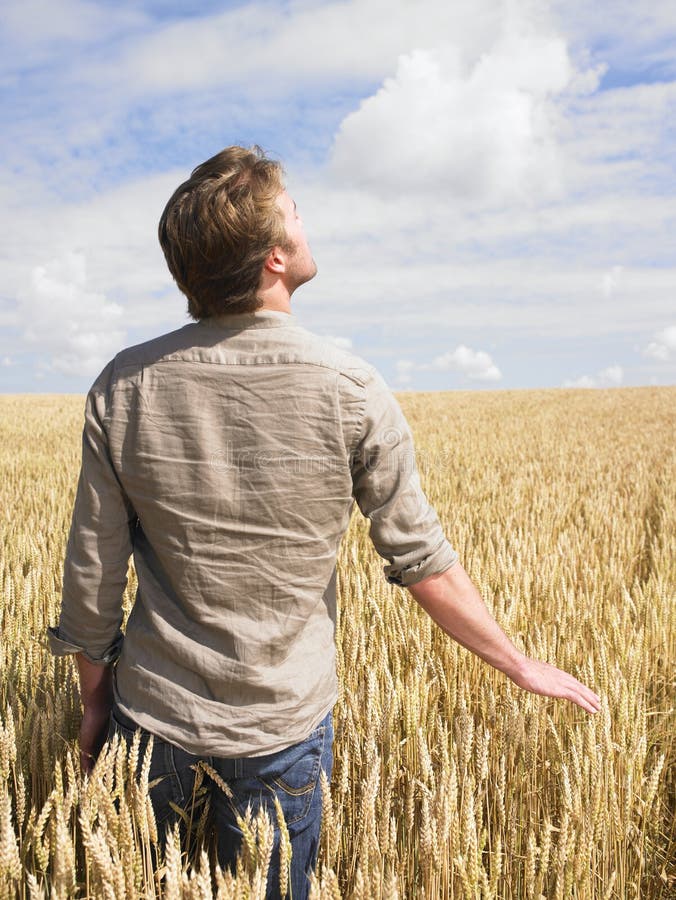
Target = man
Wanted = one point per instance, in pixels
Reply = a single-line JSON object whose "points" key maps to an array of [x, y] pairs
{"points": [[226, 456]]}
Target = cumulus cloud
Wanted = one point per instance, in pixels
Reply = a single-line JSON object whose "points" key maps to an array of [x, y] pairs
{"points": [[584, 381], [475, 365], [611, 376], [483, 131], [77, 328], [663, 345]]}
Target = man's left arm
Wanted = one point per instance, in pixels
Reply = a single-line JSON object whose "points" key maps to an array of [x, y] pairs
{"points": [[95, 573]]}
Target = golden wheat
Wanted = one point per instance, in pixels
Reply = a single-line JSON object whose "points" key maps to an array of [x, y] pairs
{"points": [[448, 781]]}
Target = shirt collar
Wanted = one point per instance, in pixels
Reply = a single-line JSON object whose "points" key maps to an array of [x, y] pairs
{"points": [[259, 318]]}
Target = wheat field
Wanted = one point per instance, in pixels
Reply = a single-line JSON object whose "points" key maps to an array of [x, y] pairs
{"points": [[448, 780]]}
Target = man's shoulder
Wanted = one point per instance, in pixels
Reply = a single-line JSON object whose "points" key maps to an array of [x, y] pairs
{"points": [[323, 351], [137, 356], [154, 349]]}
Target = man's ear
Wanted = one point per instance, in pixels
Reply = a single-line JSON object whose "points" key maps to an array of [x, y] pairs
{"points": [[276, 261]]}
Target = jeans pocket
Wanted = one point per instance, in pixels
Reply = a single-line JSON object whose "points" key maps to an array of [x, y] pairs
{"points": [[293, 775], [164, 784]]}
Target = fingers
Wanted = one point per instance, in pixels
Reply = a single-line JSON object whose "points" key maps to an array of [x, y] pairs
{"points": [[583, 696], [557, 683], [592, 699], [588, 705], [587, 699]]}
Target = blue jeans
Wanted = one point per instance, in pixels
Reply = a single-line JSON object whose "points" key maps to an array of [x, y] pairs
{"points": [[292, 774]]}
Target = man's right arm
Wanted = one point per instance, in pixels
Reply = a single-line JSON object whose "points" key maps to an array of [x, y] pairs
{"points": [[406, 531], [455, 604]]}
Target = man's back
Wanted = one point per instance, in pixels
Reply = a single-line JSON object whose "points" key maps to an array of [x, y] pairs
{"points": [[239, 444]]}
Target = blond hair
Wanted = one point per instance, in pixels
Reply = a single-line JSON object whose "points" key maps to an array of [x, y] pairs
{"points": [[219, 227]]}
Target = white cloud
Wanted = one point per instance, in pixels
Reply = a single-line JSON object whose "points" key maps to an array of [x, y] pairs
{"points": [[483, 131], [584, 381], [473, 364], [78, 329], [115, 231], [309, 42], [611, 376], [657, 351], [663, 345], [37, 22], [6, 361], [35, 31]]}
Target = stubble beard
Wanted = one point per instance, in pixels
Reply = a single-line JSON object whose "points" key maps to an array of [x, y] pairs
{"points": [[301, 271]]}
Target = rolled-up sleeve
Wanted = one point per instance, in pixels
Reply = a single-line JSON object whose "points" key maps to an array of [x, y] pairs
{"points": [[405, 528], [98, 549]]}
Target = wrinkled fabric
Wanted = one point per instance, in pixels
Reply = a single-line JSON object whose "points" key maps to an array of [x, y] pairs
{"points": [[226, 456]]}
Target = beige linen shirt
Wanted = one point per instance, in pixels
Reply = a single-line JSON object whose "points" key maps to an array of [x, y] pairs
{"points": [[227, 456]]}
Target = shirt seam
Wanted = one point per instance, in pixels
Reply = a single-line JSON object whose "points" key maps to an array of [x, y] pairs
{"points": [[211, 362], [360, 432]]}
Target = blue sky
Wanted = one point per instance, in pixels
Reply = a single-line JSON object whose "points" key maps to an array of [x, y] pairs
{"points": [[488, 187]]}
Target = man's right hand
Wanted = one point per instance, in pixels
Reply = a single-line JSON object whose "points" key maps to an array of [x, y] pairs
{"points": [[455, 604], [542, 678]]}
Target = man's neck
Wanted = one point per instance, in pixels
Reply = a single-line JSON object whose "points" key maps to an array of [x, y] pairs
{"points": [[281, 306], [274, 292]]}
